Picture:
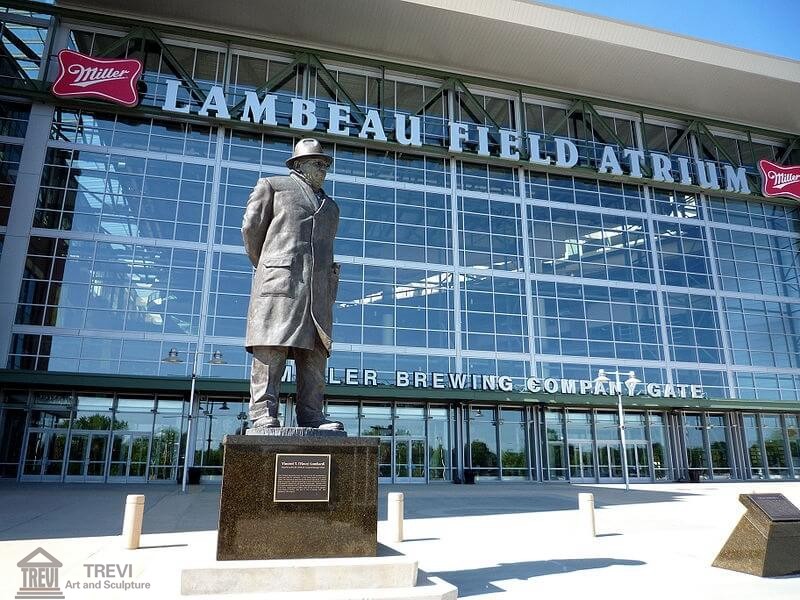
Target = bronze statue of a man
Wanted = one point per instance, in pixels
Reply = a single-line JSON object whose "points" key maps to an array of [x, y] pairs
{"points": [[288, 229]]}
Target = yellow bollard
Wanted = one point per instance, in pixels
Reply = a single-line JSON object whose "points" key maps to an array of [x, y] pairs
{"points": [[586, 511], [395, 514], [132, 522]]}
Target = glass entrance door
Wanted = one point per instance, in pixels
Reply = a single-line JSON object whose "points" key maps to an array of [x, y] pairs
{"points": [[439, 453], [409, 460], [385, 460], [581, 461], [580, 449], [130, 451], [44, 455], [609, 446], [638, 460], [609, 461], [637, 448], [87, 456]]}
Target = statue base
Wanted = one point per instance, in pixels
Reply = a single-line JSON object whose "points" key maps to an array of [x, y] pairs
{"points": [[384, 577], [295, 432], [298, 497]]}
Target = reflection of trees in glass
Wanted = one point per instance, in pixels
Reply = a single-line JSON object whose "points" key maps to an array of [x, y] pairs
{"points": [[139, 449], [55, 454], [164, 453], [401, 453], [553, 435], [385, 452], [513, 459], [58, 443], [98, 422], [719, 454], [659, 462], [436, 461], [213, 457], [556, 456], [437, 456], [138, 460], [385, 458], [776, 452], [755, 455], [794, 445], [482, 456], [697, 458], [378, 430]]}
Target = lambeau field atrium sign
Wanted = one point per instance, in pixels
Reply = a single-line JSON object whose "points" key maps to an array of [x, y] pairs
{"points": [[407, 131]]}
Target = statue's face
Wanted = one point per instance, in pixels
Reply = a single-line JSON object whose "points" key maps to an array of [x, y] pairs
{"points": [[313, 169]]}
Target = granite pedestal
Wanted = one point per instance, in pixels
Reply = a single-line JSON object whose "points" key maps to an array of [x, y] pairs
{"points": [[254, 526], [766, 541]]}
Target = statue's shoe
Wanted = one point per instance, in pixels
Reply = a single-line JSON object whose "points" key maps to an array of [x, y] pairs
{"points": [[324, 424], [266, 422]]}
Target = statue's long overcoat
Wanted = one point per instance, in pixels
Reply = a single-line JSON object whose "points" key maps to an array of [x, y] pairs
{"points": [[288, 235]]}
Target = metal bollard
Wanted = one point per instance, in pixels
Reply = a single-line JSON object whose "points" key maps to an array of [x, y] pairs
{"points": [[586, 511], [395, 514], [132, 522]]}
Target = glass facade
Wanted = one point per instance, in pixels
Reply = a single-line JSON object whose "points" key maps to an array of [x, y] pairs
{"points": [[450, 264], [92, 437]]}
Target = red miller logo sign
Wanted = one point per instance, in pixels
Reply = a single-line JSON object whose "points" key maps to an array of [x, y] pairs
{"points": [[779, 181], [82, 76]]}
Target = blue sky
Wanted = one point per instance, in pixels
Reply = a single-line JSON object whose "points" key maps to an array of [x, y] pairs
{"points": [[771, 26]]}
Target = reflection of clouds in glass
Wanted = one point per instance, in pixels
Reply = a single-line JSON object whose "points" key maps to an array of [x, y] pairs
{"points": [[433, 284]]}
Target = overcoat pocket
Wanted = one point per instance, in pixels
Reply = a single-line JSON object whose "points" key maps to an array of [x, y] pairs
{"points": [[276, 276]]}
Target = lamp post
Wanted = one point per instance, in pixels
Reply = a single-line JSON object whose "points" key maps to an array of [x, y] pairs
{"points": [[602, 377], [173, 358], [210, 414]]}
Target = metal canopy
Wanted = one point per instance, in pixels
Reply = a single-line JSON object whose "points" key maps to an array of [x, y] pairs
{"points": [[519, 42]]}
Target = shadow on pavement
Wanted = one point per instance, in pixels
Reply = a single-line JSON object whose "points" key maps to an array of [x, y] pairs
{"points": [[474, 582], [47, 510], [52, 510], [448, 500]]}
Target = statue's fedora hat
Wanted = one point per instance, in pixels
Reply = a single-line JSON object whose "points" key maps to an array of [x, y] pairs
{"points": [[308, 148]]}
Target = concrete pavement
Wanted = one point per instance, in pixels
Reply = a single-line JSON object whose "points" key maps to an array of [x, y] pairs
{"points": [[493, 541]]}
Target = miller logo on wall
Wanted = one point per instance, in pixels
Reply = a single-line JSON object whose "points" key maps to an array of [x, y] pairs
{"points": [[779, 181], [81, 76]]}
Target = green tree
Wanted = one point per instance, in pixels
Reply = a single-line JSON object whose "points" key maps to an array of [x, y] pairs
{"points": [[776, 452], [164, 453], [482, 456], [97, 422], [513, 459]]}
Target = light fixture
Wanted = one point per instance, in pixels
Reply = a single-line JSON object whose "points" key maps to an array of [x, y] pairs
{"points": [[172, 357], [630, 383], [216, 359], [632, 380]]}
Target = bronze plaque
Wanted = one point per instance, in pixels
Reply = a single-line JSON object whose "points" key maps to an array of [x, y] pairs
{"points": [[776, 506], [302, 478]]}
